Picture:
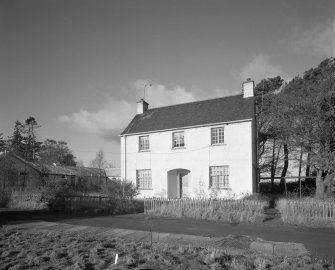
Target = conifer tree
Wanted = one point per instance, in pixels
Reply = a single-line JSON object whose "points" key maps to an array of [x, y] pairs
{"points": [[32, 146], [16, 141]]}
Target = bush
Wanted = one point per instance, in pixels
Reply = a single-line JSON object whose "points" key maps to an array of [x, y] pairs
{"points": [[122, 189], [56, 193], [61, 196]]}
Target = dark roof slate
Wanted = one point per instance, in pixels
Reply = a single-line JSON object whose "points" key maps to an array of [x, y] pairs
{"points": [[226, 109], [59, 169], [113, 172], [70, 170]]}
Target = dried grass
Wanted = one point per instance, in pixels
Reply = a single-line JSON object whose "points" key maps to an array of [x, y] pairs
{"points": [[233, 211], [307, 212]]}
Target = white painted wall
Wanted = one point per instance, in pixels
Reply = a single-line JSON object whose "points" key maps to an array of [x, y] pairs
{"points": [[197, 156]]}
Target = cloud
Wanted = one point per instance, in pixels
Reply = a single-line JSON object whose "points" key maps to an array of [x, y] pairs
{"points": [[318, 39], [260, 67], [107, 122], [114, 115], [159, 95]]}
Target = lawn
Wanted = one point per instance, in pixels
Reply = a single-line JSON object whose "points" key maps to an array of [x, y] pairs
{"points": [[22, 249]]}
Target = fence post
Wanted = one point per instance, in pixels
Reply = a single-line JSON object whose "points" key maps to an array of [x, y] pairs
{"points": [[323, 210]]}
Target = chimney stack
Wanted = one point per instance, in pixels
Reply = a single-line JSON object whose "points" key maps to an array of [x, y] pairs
{"points": [[142, 106], [248, 88]]}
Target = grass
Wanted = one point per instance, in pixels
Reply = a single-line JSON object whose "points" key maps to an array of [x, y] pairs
{"points": [[233, 211], [307, 211], [22, 249]]}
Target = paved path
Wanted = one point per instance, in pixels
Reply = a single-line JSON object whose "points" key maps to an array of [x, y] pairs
{"points": [[319, 242]]}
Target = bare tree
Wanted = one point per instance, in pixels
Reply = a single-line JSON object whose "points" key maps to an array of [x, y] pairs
{"points": [[99, 161]]}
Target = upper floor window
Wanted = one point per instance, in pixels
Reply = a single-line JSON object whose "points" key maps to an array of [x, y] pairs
{"points": [[178, 139], [143, 179], [144, 143], [219, 177], [217, 135]]}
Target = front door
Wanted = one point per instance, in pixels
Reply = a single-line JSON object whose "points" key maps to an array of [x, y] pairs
{"points": [[177, 183]]}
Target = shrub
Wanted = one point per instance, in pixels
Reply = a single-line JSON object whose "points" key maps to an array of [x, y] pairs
{"points": [[59, 195], [122, 189], [56, 193]]}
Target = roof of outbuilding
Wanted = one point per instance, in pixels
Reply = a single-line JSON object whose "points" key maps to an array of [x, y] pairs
{"points": [[113, 172], [70, 170], [59, 169], [218, 110]]}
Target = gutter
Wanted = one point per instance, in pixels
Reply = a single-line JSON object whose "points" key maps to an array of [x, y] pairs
{"points": [[125, 157], [188, 127]]}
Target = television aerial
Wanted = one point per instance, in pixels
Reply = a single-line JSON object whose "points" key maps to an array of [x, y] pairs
{"points": [[145, 86]]}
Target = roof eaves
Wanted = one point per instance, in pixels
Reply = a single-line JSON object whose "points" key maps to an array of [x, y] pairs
{"points": [[188, 127]]}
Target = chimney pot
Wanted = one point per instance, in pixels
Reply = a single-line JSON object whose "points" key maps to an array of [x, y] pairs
{"points": [[248, 88], [142, 106]]}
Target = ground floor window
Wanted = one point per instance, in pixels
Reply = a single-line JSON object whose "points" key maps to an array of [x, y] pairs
{"points": [[143, 179], [219, 177]]}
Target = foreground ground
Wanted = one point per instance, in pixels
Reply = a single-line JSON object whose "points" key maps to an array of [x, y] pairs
{"points": [[320, 242], [24, 249]]}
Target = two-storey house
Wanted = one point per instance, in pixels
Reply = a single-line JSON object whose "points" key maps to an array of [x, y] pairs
{"points": [[193, 149]]}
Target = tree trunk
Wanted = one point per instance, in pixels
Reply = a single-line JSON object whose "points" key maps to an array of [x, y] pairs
{"points": [[319, 192], [307, 166], [273, 166], [300, 161], [284, 171]]}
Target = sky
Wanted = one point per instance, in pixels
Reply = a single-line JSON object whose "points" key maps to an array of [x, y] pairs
{"points": [[79, 66]]}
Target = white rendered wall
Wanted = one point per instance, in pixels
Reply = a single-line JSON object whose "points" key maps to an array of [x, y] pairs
{"points": [[197, 156]]}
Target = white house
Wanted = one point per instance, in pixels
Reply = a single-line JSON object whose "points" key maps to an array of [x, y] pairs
{"points": [[202, 148]]}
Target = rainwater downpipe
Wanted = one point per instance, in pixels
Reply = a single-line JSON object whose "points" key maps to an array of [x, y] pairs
{"points": [[125, 157]]}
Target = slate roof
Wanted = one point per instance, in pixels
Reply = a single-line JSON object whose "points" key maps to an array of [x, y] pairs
{"points": [[70, 170], [60, 170], [219, 110], [113, 172]]}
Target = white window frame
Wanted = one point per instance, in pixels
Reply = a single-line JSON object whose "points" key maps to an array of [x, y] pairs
{"points": [[219, 177], [217, 135], [143, 179], [143, 143], [178, 139]]}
